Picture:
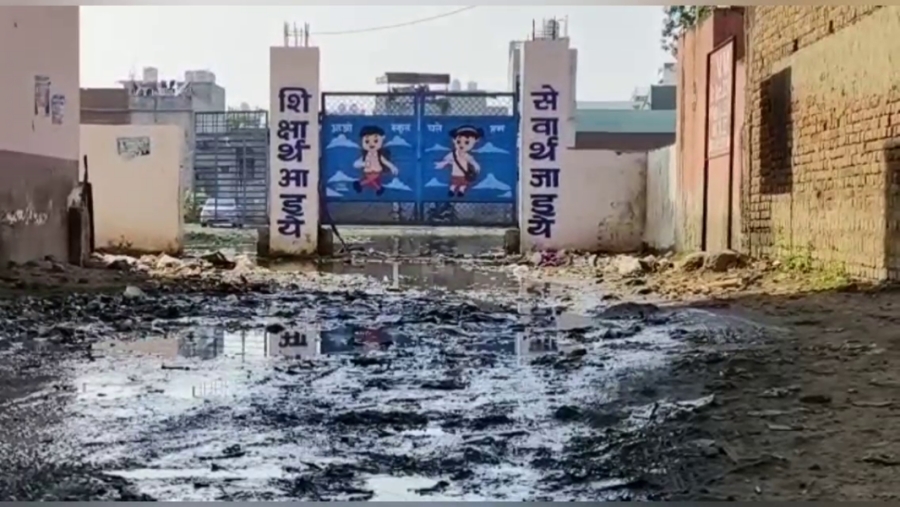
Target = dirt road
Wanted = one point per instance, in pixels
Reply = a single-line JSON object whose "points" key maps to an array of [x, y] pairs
{"points": [[804, 410], [451, 377]]}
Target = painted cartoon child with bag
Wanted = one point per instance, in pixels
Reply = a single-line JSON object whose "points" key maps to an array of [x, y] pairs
{"points": [[464, 169], [375, 160]]}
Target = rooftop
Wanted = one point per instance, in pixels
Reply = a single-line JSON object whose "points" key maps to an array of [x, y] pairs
{"points": [[625, 121]]}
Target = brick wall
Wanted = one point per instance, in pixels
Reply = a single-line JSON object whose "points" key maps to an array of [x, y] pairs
{"points": [[823, 138]]}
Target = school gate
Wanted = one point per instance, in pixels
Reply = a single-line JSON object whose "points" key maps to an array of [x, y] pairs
{"points": [[420, 158]]}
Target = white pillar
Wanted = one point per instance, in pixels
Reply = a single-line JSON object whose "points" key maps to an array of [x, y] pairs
{"points": [[293, 151], [547, 131]]}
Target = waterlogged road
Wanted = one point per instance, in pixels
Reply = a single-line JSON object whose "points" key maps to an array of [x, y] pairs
{"points": [[355, 390]]}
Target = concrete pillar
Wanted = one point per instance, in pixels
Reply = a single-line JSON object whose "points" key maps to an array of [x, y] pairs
{"points": [[294, 151], [547, 131]]}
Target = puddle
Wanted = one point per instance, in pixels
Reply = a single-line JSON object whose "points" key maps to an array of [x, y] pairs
{"points": [[341, 394], [306, 342], [410, 275], [420, 243]]}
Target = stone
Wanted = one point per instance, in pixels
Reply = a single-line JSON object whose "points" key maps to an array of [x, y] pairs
{"points": [[729, 283], [165, 261], [692, 262], [244, 263], [649, 263], [627, 265], [720, 262], [219, 260], [132, 292]]}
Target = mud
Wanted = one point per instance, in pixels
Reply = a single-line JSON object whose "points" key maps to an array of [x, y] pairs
{"points": [[370, 378]]}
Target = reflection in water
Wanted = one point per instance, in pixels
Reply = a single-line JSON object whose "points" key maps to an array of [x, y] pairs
{"points": [[212, 343], [305, 342], [423, 276]]}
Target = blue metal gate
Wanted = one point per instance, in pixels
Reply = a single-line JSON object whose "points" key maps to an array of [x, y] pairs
{"points": [[422, 158]]}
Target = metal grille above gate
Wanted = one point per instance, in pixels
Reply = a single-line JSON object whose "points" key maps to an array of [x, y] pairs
{"points": [[430, 158], [231, 167]]}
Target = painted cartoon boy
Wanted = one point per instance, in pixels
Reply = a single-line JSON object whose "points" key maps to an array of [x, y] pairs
{"points": [[374, 161], [464, 168]]}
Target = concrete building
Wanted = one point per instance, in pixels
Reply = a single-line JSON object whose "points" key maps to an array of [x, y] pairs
{"points": [[39, 131], [446, 98], [150, 100]]}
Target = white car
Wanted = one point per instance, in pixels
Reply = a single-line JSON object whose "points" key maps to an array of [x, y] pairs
{"points": [[219, 211]]}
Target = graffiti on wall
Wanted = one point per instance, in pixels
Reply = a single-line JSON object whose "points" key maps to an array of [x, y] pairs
{"points": [[542, 164], [132, 147], [24, 216]]}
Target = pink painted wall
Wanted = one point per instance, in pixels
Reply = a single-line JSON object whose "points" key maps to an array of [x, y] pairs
{"points": [[39, 146], [693, 49], [39, 41]]}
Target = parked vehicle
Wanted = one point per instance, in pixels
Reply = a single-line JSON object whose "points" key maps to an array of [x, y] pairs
{"points": [[220, 212]]}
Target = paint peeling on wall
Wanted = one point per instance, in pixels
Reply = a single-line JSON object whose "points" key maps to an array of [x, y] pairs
{"points": [[41, 96], [27, 216], [57, 108], [132, 147]]}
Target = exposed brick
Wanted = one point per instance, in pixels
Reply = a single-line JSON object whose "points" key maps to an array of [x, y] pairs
{"points": [[823, 132]]}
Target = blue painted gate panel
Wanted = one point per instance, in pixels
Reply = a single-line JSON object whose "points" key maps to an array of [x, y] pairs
{"points": [[493, 152], [347, 176], [420, 158]]}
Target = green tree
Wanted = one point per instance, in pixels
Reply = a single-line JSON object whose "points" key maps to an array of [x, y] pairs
{"points": [[679, 18]]}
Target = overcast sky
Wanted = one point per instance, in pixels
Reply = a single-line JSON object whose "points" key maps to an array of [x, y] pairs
{"points": [[618, 46]]}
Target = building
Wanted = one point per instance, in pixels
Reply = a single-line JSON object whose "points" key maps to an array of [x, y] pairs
{"points": [[644, 123], [444, 97], [39, 134], [150, 101]]}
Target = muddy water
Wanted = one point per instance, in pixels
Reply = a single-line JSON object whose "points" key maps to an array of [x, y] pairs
{"points": [[436, 383]]}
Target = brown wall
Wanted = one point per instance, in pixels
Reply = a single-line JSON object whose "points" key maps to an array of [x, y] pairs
{"points": [[824, 125], [693, 50], [104, 106]]}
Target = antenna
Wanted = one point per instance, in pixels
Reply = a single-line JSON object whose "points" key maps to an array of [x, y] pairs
{"points": [[291, 32]]}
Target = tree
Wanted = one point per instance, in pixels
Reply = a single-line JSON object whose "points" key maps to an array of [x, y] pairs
{"points": [[679, 18]]}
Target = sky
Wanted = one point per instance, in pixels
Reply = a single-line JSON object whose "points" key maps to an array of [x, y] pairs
{"points": [[618, 46]]}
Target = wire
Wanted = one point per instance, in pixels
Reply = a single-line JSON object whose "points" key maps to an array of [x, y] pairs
{"points": [[398, 25]]}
